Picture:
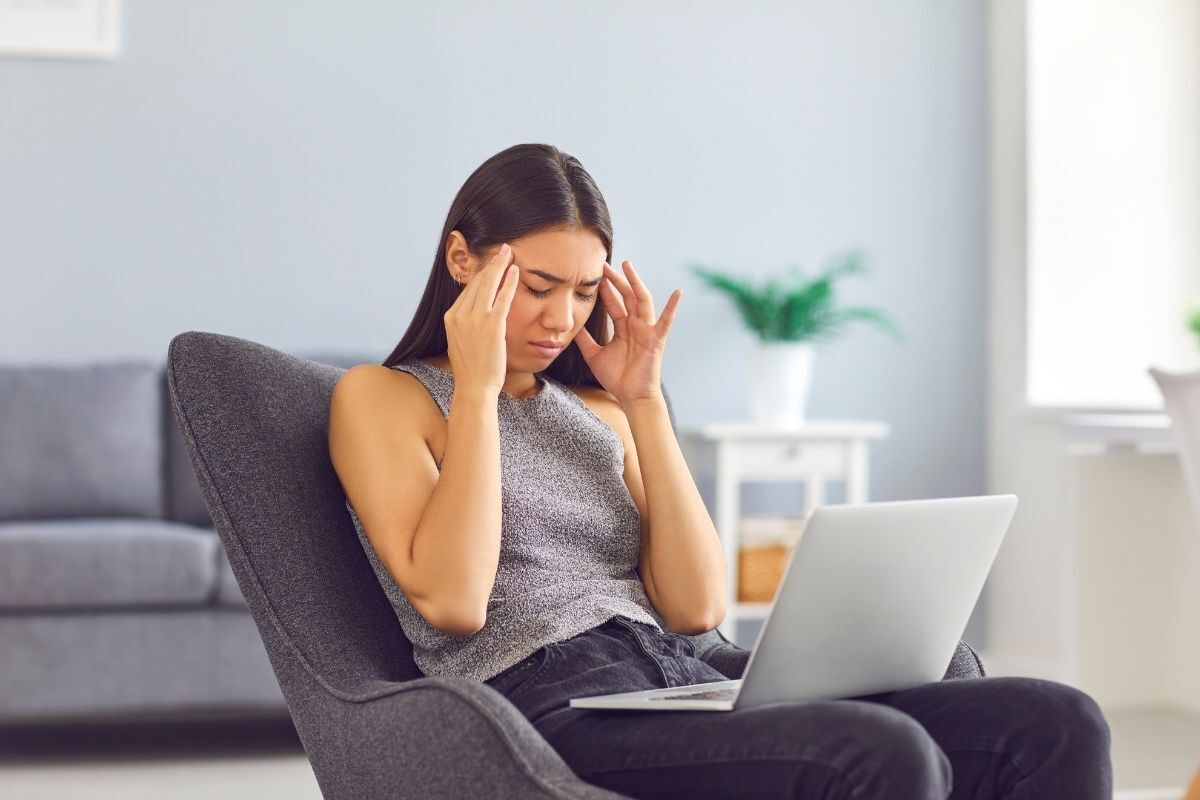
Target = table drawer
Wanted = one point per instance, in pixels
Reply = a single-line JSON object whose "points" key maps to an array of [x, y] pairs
{"points": [[784, 459]]}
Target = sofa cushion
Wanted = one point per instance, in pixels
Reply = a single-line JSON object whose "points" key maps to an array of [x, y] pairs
{"points": [[184, 501], [228, 591], [60, 564], [63, 667], [80, 441]]}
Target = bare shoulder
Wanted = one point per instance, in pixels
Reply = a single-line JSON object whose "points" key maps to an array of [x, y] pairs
{"points": [[382, 392], [375, 382]]}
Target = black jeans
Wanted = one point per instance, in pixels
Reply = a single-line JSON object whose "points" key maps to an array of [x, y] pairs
{"points": [[969, 738]]}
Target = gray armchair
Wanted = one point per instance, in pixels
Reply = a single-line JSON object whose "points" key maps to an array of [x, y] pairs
{"points": [[373, 726]]}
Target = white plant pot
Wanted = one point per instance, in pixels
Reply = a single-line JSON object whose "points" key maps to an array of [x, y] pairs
{"points": [[778, 378]]}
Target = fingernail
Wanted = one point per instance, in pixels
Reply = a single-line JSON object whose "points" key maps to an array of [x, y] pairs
{"points": [[504, 248]]}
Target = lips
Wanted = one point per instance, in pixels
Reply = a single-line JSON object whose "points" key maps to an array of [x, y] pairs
{"points": [[554, 345], [546, 351]]}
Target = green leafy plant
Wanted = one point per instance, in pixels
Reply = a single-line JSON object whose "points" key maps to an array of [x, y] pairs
{"points": [[796, 309], [1193, 321]]}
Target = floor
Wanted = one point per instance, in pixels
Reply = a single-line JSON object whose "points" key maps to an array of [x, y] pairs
{"points": [[234, 759], [1155, 752]]}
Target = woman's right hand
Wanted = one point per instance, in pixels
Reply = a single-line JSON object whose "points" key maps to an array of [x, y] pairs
{"points": [[477, 322]]}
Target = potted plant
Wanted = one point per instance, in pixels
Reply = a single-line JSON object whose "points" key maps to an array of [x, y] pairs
{"points": [[790, 317]]}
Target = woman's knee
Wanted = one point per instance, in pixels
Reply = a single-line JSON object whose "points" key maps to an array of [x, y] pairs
{"points": [[893, 756], [1070, 717]]}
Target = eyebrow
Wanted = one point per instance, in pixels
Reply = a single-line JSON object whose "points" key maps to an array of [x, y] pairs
{"points": [[555, 279]]}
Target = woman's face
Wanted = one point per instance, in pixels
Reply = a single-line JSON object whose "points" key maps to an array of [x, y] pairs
{"points": [[558, 288]]}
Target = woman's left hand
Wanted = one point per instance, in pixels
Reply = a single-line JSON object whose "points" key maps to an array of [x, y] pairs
{"points": [[630, 366]]}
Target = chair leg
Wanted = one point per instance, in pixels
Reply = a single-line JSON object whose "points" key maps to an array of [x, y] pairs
{"points": [[1193, 792]]}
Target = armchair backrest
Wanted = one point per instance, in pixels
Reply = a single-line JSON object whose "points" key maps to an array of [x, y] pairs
{"points": [[254, 421]]}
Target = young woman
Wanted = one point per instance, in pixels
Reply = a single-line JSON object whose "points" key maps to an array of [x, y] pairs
{"points": [[514, 478]]}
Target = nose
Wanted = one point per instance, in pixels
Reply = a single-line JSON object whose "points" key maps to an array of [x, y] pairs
{"points": [[559, 316]]}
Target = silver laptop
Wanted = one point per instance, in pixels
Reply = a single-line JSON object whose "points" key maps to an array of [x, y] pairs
{"points": [[874, 598]]}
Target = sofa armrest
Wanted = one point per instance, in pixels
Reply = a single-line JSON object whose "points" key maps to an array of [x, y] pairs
{"points": [[442, 737]]}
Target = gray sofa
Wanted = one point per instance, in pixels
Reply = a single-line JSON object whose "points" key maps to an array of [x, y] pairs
{"points": [[116, 598]]}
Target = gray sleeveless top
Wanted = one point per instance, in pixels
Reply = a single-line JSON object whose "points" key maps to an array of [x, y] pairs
{"points": [[569, 540]]}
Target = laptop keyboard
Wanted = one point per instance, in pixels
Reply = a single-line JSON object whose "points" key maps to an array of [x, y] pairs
{"points": [[702, 694]]}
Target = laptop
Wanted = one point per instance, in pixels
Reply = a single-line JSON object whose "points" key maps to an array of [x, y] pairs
{"points": [[874, 598]]}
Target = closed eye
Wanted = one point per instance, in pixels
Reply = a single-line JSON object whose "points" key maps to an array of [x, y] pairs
{"points": [[587, 298]]}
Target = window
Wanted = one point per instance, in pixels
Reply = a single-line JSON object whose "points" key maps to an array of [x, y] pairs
{"points": [[1113, 138]]}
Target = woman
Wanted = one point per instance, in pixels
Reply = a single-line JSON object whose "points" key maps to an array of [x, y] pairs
{"points": [[515, 480]]}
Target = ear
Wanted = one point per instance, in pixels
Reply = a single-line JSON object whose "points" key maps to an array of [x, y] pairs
{"points": [[459, 261]]}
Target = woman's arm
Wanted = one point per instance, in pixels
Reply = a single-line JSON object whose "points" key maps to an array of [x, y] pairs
{"points": [[683, 556], [437, 533], [458, 539], [682, 561]]}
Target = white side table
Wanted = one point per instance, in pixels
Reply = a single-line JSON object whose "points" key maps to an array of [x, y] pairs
{"points": [[813, 453]]}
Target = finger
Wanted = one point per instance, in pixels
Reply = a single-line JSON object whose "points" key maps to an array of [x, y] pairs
{"points": [[508, 288], [614, 306], [668, 315], [622, 285], [645, 302], [490, 277], [614, 303]]}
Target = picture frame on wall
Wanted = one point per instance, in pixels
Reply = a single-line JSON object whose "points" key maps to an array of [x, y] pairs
{"points": [[87, 29]]}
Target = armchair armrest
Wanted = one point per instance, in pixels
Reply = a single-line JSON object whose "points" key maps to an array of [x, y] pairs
{"points": [[441, 737], [965, 663]]}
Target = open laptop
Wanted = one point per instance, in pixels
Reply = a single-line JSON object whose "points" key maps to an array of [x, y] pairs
{"points": [[874, 598]]}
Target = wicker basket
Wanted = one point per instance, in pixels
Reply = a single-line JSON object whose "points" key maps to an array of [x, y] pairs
{"points": [[766, 543]]}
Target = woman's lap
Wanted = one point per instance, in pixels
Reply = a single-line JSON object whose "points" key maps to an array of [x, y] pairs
{"points": [[823, 749], [983, 737]]}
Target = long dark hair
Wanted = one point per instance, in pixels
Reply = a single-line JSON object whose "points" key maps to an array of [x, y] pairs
{"points": [[520, 190]]}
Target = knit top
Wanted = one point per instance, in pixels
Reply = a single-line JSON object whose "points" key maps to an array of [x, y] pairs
{"points": [[569, 539]]}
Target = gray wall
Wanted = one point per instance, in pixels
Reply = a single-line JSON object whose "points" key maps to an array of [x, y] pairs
{"points": [[280, 171]]}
